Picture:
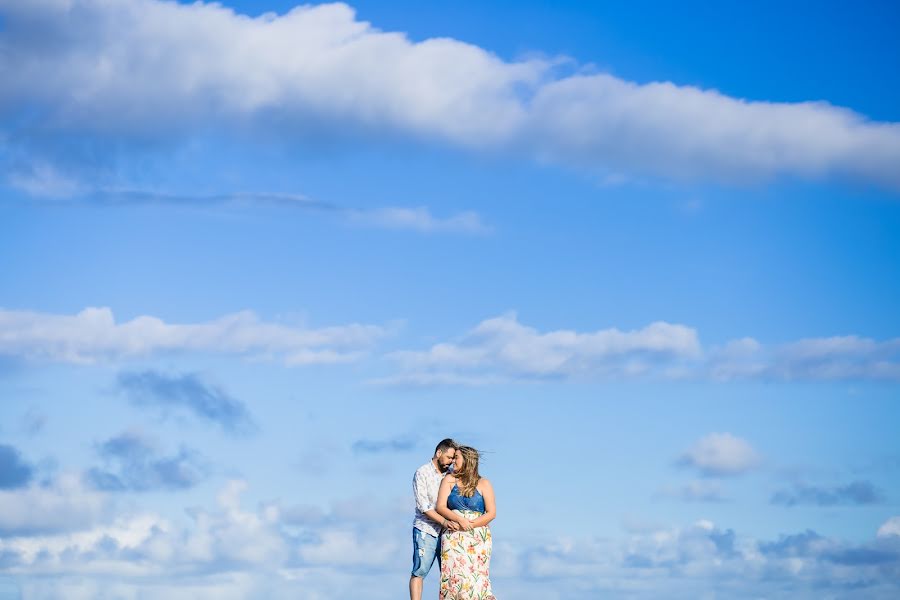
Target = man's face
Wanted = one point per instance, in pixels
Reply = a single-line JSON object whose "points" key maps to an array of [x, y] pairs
{"points": [[445, 458]]}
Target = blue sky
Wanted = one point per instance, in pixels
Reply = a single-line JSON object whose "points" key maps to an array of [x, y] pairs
{"points": [[257, 260]]}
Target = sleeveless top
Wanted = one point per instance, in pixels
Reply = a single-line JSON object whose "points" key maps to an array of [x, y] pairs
{"points": [[456, 501]]}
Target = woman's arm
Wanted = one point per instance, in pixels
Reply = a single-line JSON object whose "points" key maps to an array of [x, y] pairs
{"points": [[490, 507], [447, 484]]}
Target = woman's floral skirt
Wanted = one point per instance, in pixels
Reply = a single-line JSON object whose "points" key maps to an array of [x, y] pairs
{"points": [[466, 562]]}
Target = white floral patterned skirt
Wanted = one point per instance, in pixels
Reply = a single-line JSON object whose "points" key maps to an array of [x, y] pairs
{"points": [[466, 562]]}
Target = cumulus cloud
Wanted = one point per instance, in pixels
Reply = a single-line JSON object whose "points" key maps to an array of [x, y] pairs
{"points": [[720, 455], [833, 358], [502, 350], [891, 527], [854, 493], [186, 392], [278, 551], [840, 357], [133, 462], [14, 470], [274, 550], [146, 544], [504, 346], [687, 562], [64, 504], [152, 69], [93, 336]]}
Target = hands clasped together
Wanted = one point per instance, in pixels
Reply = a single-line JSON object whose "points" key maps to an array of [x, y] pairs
{"points": [[462, 525]]}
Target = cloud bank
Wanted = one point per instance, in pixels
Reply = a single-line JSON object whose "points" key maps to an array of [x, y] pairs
{"points": [[148, 69], [94, 336], [503, 350], [279, 551]]}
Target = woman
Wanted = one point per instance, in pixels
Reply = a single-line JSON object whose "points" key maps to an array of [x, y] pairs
{"points": [[466, 501]]}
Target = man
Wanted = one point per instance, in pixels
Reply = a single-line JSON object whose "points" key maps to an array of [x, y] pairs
{"points": [[427, 524]]}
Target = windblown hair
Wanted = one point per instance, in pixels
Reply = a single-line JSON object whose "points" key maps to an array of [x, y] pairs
{"points": [[467, 477]]}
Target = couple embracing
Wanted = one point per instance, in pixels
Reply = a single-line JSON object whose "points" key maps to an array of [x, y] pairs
{"points": [[454, 505]]}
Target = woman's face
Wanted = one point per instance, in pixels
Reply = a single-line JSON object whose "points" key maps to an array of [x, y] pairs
{"points": [[458, 462]]}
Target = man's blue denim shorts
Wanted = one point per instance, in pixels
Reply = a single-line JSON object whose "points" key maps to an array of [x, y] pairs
{"points": [[425, 549]]}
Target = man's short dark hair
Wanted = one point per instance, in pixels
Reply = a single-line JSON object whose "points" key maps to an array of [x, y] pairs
{"points": [[445, 445]]}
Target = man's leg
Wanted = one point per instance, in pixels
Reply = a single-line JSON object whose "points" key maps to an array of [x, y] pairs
{"points": [[415, 588], [423, 557]]}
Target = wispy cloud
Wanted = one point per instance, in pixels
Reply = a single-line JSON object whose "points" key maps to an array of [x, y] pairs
{"points": [[720, 455], [33, 421], [419, 219], [704, 490], [312, 68], [43, 180], [93, 336], [853, 493], [15, 472], [233, 199], [133, 463], [395, 444], [400, 218], [187, 393]]}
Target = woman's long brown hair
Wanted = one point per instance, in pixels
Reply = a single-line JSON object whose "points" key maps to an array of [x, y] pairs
{"points": [[467, 477]]}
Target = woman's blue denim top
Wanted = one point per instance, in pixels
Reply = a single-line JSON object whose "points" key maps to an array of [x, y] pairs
{"points": [[456, 501]]}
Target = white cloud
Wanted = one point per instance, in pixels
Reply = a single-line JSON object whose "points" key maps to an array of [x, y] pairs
{"points": [[65, 504], [433, 380], [503, 345], [216, 540], [150, 68], [44, 180], [840, 357], [891, 527], [503, 350], [720, 454], [267, 552], [277, 552], [93, 335], [686, 562], [419, 219]]}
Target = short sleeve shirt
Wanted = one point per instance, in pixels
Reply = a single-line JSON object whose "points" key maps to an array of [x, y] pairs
{"points": [[426, 483]]}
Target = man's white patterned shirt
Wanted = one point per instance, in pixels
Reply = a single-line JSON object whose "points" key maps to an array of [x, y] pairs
{"points": [[426, 482]]}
